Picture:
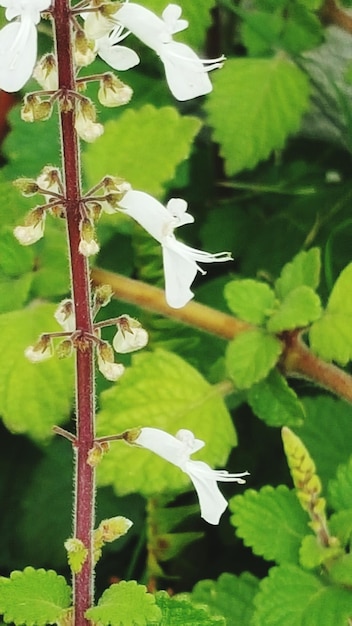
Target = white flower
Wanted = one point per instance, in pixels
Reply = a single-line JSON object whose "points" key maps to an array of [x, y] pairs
{"points": [[113, 92], [88, 248], [37, 354], [130, 336], [65, 315], [111, 371], [180, 260], [18, 42], [177, 450], [186, 74], [87, 128], [118, 57], [26, 235]]}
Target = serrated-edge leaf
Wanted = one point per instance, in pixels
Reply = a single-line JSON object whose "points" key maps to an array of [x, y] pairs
{"points": [[300, 307], [251, 356], [304, 269], [182, 611], [126, 603], [255, 105], [33, 596], [250, 299], [275, 402], [270, 521]]}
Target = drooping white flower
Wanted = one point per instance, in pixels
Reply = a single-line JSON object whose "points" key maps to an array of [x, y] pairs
{"points": [[88, 248], [186, 73], [177, 450], [27, 235], [65, 315], [107, 37], [180, 261], [18, 42], [111, 370], [130, 336]]}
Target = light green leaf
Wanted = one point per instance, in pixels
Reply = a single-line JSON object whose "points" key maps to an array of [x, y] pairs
{"points": [[251, 356], [270, 521], [51, 277], [304, 269], [163, 391], [327, 433], [260, 31], [340, 525], [299, 308], [126, 603], [251, 300], [292, 597], [275, 402], [331, 336], [340, 570], [33, 396], [131, 139], [34, 597], [14, 258], [180, 611], [170, 545], [340, 488], [231, 596], [14, 292], [312, 553], [255, 105]]}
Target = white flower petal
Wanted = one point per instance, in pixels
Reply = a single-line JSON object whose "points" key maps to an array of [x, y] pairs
{"points": [[177, 207], [18, 54], [161, 443], [211, 501], [144, 24], [118, 57], [171, 16], [179, 273], [185, 73], [148, 212]]}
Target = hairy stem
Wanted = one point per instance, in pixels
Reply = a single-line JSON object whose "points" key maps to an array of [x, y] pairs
{"points": [[296, 361], [80, 285]]}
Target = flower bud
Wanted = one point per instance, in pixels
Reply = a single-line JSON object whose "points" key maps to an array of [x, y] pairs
{"points": [[49, 179], [65, 315], [33, 229], [45, 73], [64, 349], [35, 109], [83, 49], [85, 123], [116, 184], [113, 92], [87, 245], [130, 335], [27, 186], [112, 371], [41, 351], [98, 23], [95, 454], [103, 295]]}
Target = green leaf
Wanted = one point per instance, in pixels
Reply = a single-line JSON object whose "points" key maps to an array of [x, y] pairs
{"points": [[255, 105], [33, 396], [180, 611], [125, 603], [270, 521], [340, 488], [136, 133], [161, 390], [327, 433], [275, 402], [260, 31], [34, 597], [14, 292], [299, 308], [294, 597], [170, 545], [304, 269], [340, 525], [303, 30], [231, 596], [14, 258], [340, 571], [251, 300], [51, 277], [331, 336], [312, 553], [251, 356]]}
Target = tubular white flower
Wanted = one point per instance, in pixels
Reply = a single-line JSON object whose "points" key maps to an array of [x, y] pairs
{"points": [[27, 235], [65, 315], [186, 74], [88, 248], [118, 57], [18, 42], [111, 371], [180, 261], [130, 336], [177, 450]]}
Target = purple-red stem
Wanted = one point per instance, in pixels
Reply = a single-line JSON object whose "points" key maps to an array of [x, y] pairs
{"points": [[80, 284]]}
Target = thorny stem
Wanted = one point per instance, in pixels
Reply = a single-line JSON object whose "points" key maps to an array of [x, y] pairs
{"points": [[296, 360], [80, 283]]}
